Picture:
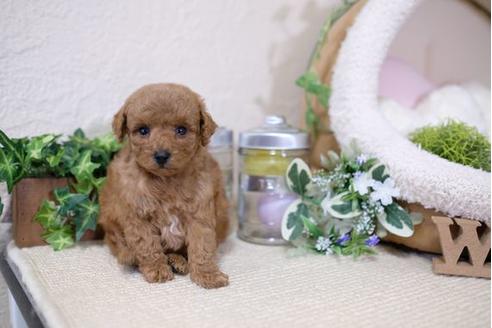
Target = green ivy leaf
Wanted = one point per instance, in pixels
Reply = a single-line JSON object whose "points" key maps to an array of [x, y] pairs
{"points": [[70, 154], [36, 147], [68, 201], [9, 169], [295, 225], [307, 79], [108, 143], [16, 148], [84, 186], [344, 208], [84, 167], [86, 218], [396, 220], [397, 215], [378, 172], [341, 206], [312, 120], [310, 82], [78, 137], [59, 238], [55, 159], [298, 177], [99, 182], [47, 215], [64, 197], [1, 206], [293, 220]]}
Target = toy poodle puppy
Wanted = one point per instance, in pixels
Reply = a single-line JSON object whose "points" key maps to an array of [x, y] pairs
{"points": [[163, 207]]}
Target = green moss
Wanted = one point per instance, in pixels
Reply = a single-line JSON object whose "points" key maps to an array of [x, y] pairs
{"points": [[456, 142]]}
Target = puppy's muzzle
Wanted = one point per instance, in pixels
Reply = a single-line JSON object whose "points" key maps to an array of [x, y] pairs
{"points": [[161, 157]]}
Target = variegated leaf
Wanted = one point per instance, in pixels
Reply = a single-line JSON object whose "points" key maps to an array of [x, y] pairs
{"points": [[341, 208]]}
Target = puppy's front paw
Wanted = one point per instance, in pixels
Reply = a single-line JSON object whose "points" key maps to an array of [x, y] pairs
{"points": [[213, 279], [156, 272], [178, 263]]}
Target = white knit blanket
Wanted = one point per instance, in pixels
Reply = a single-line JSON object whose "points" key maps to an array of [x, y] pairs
{"points": [[85, 287]]}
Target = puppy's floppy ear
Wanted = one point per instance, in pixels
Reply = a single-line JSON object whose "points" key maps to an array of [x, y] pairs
{"points": [[119, 123], [207, 125]]}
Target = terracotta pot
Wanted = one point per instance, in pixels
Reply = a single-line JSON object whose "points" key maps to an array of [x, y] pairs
{"points": [[27, 197]]}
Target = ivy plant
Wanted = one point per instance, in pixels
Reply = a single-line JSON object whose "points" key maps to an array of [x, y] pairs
{"points": [[313, 87], [75, 208]]}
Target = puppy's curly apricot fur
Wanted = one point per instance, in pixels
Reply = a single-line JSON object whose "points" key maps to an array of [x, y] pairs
{"points": [[163, 207]]}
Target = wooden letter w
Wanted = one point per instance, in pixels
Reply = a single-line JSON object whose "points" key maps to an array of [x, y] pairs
{"points": [[478, 249]]}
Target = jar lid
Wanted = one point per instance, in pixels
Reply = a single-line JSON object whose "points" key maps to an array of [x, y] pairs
{"points": [[221, 138], [274, 134]]}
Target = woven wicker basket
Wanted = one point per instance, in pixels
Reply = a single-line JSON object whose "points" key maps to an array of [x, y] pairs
{"points": [[426, 237]]}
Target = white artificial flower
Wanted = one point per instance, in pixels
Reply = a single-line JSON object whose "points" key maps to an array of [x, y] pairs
{"points": [[362, 182], [361, 159], [384, 192]]}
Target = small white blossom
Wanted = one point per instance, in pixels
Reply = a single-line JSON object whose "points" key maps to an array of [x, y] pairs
{"points": [[362, 182], [361, 159], [364, 224], [323, 244], [380, 208], [384, 192], [322, 183]]}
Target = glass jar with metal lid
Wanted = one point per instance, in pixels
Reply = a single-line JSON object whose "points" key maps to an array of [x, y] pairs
{"points": [[264, 155], [220, 147]]}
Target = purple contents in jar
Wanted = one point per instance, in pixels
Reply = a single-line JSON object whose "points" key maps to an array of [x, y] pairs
{"points": [[271, 208]]}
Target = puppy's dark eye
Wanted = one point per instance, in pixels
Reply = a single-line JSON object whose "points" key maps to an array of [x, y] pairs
{"points": [[144, 130], [181, 130]]}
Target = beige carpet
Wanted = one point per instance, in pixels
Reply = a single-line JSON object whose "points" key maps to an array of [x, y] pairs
{"points": [[84, 287]]}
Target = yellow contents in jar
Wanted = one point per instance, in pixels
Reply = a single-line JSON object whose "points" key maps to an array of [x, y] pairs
{"points": [[265, 162]]}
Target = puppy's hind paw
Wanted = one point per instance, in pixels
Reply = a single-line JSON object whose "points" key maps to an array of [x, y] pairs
{"points": [[214, 279], [156, 272], [178, 263]]}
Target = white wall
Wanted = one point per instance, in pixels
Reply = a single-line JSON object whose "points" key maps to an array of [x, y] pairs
{"points": [[65, 64], [68, 64]]}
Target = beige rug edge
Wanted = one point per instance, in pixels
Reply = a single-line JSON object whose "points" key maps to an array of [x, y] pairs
{"points": [[51, 315]]}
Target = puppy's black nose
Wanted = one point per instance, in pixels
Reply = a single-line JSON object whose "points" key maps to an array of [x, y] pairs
{"points": [[161, 157]]}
